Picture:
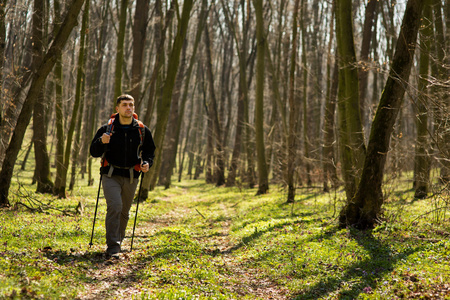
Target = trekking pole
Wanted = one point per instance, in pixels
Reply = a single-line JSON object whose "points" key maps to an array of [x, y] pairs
{"points": [[95, 213], [137, 206]]}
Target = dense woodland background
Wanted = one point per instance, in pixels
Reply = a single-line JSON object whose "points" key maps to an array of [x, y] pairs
{"points": [[249, 93]]}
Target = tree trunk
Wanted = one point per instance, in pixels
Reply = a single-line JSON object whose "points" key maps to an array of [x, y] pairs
{"points": [[219, 173], [442, 126], [37, 83], [42, 167], [76, 105], [225, 95], [306, 108], [139, 37], [364, 209], [2, 50], [351, 130], [242, 92], [198, 140], [43, 178], [363, 70], [81, 76], [189, 131], [172, 133], [59, 114], [120, 48], [150, 178], [328, 155], [209, 167], [160, 39], [422, 158], [294, 111], [263, 176]]}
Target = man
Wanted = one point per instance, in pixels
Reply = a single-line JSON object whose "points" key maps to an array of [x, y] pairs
{"points": [[126, 147]]}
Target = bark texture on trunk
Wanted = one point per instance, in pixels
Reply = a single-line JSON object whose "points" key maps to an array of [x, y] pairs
{"points": [[263, 175], [364, 209]]}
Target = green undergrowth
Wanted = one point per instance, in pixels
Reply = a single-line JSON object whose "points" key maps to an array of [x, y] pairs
{"points": [[198, 241]]}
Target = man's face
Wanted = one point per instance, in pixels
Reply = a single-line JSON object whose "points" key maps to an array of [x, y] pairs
{"points": [[125, 108]]}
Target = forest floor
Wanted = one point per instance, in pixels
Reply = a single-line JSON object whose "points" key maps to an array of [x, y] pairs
{"points": [[117, 278], [198, 241]]}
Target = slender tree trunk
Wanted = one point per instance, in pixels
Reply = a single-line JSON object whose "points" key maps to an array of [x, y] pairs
{"points": [[37, 83], [422, 158], [2, 51], [225, 95], [306, 108], [198, 140], [42, 167], [242, 92], [249, 134], [160, 39], [263, 176], [351, 130], [43, 178], [209, 168], [442, 124], [294, 111], [328, 155], [175, 116], [81, 76], [363, 70], [189, 131], [76, 106], [278, 145], [365, 207], [214, 113], [120, 48], [59, 114], [139, 38]]}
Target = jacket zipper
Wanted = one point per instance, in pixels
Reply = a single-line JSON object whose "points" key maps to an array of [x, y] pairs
{"points": [[126, 149]]}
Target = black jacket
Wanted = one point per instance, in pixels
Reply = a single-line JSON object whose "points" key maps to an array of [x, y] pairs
{"points": [[123, 149]]}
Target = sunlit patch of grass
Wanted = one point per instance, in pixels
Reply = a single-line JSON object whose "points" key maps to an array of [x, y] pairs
{"points": [[196, 240]]}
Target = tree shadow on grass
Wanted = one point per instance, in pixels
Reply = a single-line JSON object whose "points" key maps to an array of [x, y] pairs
{"points": [[257, 233], [380, 262]]}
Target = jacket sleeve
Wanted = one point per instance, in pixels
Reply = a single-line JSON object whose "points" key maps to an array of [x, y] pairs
{"points": [[97, 147], [148, 151]]}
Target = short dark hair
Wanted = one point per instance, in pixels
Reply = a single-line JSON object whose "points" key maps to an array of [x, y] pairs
{"points": [[124, 97]]}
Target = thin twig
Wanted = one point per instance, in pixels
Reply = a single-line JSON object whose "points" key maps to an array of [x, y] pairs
{"points": [[200, 213]]}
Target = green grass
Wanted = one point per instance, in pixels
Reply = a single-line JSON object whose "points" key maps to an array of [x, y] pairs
{"points": [[196, 241]]}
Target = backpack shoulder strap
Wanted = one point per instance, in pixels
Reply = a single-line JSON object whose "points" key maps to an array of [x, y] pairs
{"points": [[141, 131], [110, 127]]}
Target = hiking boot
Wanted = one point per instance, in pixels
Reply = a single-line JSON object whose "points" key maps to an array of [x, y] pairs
{"points": [[113, 253]]}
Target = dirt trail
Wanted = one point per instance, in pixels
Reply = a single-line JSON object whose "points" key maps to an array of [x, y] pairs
{"points": [[118, 280], [249, 280]]}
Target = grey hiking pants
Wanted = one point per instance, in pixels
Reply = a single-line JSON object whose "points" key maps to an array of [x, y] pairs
{"points": [[119, 194]]}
